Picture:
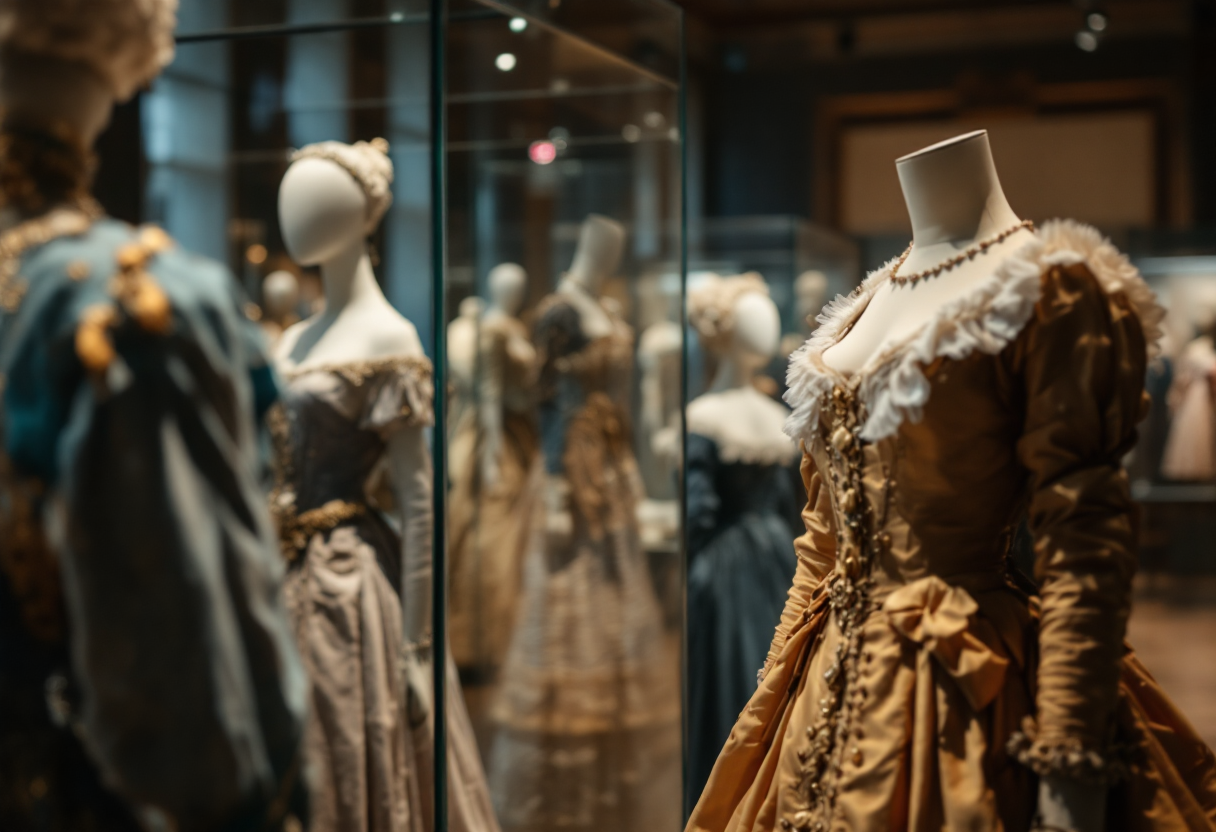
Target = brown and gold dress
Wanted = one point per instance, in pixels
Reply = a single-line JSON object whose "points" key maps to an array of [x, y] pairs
{"points": [[368, 742], [588, 706], [916, 681]]}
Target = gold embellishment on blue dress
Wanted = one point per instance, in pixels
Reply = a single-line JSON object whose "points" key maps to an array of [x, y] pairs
{"points": [[93, 345]]}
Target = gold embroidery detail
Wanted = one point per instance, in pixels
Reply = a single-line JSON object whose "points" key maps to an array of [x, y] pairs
{"points": [[79, 270], [821, 764], [134, 287], [26, 557], [93, 345], [62, 222]]}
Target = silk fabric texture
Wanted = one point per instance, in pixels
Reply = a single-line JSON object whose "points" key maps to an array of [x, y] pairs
{"points": [[966, 687]]}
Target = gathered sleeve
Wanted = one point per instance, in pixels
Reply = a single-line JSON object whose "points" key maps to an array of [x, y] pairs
{"points": [[1080, 365], [816, 551], [400, 394]]}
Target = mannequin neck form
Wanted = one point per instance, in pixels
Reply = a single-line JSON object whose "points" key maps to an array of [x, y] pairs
{"points": [[55, 93], [349, 280], [736, 371], [953, 193]]}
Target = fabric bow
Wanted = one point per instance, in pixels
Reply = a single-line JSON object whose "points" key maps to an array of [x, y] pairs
{"points": [[932, 613]]}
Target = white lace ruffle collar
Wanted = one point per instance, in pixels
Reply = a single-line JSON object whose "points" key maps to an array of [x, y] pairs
{"points": [[892, 384]]}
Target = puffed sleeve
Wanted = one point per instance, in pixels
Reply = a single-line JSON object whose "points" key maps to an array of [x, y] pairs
{"points": [[399, 395], [816, 551], [190, 694], [1080, 368]]}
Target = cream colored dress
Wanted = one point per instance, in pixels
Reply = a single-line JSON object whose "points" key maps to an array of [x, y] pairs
{"points": [[368, 743]]}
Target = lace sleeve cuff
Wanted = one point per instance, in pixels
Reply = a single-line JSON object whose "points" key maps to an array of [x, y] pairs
{"points": [[1070, 757]]}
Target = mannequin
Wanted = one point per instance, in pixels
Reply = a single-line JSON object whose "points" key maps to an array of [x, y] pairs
{"points": [[917, 679], [810, 293], [954, 199], [280, 300], [740, 496], [359, 391], [148, 678], [587, 713], [601, 243], [496, 480]]}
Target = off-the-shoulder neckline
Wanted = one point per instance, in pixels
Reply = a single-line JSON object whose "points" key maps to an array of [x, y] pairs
{"points": [[361, 368], [891, 383]]}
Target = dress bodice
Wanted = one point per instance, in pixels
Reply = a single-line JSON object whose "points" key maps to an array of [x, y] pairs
{"points": [[1019, 400], [333, 424], [580, 376]]}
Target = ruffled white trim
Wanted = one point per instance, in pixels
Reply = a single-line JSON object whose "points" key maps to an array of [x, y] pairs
{"points": [[892, 385], [746, 426]]}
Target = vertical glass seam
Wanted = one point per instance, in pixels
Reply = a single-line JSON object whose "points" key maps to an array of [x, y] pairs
{"points": [[682, 104], [439, 436]]}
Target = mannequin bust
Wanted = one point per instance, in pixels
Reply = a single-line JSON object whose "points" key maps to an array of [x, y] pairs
{"points": [[745, 422], [462, 341], [324, 214], [507, 285], [601, 243], [954, 200]]}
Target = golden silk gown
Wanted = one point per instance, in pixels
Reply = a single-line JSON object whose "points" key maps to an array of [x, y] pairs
{"points": [[916, 681]]}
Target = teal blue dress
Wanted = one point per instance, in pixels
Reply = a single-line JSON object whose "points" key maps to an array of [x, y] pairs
{"points": [[147, 670]]}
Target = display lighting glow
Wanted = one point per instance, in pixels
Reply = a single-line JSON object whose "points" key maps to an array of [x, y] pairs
{"points": [[505, 62], [256, 254], [517, 24], [542, 152], [1096, 21], [631, 133], [1087, 40]]}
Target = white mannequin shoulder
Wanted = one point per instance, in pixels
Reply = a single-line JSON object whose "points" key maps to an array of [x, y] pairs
{"points": [[747, 426]]}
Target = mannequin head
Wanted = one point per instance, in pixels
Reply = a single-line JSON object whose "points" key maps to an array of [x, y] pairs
{"points": [[507, 284], [280, 294], [810, 292], [322, 211], [952, 190], [601, 243], [63, 63], [757, 330]]}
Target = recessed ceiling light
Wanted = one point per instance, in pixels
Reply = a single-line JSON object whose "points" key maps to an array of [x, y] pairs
{"points": [[505, 62], [1087, 40], [517, 24]]}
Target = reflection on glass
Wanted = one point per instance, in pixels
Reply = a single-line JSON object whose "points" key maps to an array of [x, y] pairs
{"points": [[564, 365]]}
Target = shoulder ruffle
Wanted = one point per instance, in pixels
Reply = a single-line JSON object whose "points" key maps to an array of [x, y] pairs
{"points": [[758, 441], [988, 318]]}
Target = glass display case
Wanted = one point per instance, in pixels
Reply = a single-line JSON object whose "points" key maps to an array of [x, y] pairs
{"points": [[534, 247], [564, 291]]}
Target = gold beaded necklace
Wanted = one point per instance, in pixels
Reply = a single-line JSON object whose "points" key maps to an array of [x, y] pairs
{"points": [[948, 264]]}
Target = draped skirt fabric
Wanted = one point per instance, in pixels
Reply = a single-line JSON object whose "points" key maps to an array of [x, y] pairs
{"points": [[945, 677], [368, 748]]}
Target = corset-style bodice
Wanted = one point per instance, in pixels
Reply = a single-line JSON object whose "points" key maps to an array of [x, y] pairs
{"points": [[332, 426], [583, 382]]}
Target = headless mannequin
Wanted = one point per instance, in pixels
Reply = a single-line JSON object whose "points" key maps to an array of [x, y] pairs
{"points": [[954, 200], [601, 243], [507, 285], [810, 293], [323, 214], [733, 406]]}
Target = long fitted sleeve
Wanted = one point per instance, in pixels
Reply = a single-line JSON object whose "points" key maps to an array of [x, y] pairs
{"points": [[816, 550], [1081, 362]]}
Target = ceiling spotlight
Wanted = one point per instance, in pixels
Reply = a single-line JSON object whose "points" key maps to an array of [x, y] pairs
{"points": [[517, 24], [505, 62], [1096, 21], [1086, 40]]}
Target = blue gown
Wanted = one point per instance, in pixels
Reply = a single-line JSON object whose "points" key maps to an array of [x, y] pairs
{"points": [[146, 665]]}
